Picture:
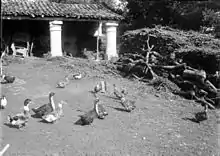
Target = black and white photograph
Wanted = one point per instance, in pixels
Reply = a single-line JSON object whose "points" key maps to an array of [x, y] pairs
{"points": [[110, 78]]}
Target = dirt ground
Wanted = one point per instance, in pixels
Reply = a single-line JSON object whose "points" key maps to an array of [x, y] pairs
{"points": [[155, 128]]}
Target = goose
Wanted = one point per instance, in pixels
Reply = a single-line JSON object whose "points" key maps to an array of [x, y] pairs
{"points": [[116, 92], [128, 105], [97, 88], [55, 115], [101, 86], [7, 79], [101, 111], [119, 94], [4, 102], [124, 91], [77, 76], [46, 108], [88, 117], [63, 83], [201, 116], [19, 120]]}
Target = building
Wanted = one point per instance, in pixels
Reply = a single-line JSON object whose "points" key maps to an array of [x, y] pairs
{"points": [[67, 23]]}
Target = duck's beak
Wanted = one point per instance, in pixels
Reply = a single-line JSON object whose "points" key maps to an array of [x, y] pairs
{"points": [[63, 102], [31, 102]]}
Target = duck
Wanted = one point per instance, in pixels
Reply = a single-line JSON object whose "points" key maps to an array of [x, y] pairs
{"points": [[77, 76], [100, 109], [7, 79], [4, 102], [124, 91], [202, 116], [55, 115], [20, 120], [101, 86], [119, 94], [128, 105], [97, 88], [46, 108], [63, 83], [88, 117]]}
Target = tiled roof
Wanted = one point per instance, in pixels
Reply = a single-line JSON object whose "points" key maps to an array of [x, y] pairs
{"points": [[45, 8]]}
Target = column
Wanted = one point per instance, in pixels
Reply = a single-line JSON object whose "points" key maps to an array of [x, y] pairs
{"points": [[56, 38], [111, 42]]}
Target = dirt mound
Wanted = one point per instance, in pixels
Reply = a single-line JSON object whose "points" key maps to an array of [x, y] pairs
{"points": [[85, 66]]}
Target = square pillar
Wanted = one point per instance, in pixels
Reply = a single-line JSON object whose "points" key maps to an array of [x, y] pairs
{"points": [[111, 40], [56, 38]]}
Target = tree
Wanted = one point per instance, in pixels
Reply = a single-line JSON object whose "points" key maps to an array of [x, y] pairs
{"points": [[182, 14]]}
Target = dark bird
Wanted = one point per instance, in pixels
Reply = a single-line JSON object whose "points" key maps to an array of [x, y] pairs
{"points": [[89, 116], [7, 79], [201, 116], [46, 108]]}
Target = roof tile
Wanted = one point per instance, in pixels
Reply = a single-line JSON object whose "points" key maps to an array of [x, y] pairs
{"points": [[39, 8]]}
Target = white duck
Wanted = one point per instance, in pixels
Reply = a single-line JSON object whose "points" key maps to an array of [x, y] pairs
{"points": [[128, 105], [100, 109], [63, 83], [4, 102], [77, 76], [55, 115]]}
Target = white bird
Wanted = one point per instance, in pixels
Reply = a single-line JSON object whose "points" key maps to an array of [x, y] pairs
{"points": [[77, 76], [63, 83], [54, 116], [3, 102]]}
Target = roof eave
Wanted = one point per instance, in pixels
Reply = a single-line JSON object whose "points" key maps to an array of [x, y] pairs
{"points": [[11, 17]]}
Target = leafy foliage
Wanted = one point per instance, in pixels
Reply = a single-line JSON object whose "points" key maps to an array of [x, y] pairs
{"points": [[181, 14], [211, 18]]}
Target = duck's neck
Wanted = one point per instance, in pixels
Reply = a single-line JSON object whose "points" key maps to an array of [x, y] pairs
{"points": [[96, 107], [60, 111], [26, 110], [51, 100], [67, 79], [123, 99]]}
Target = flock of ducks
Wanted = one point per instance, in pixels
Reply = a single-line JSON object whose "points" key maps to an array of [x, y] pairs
{"points": [[99, 110], [50, 114]]}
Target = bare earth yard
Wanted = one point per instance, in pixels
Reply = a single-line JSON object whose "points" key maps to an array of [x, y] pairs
{"points": [[156, 127]]}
